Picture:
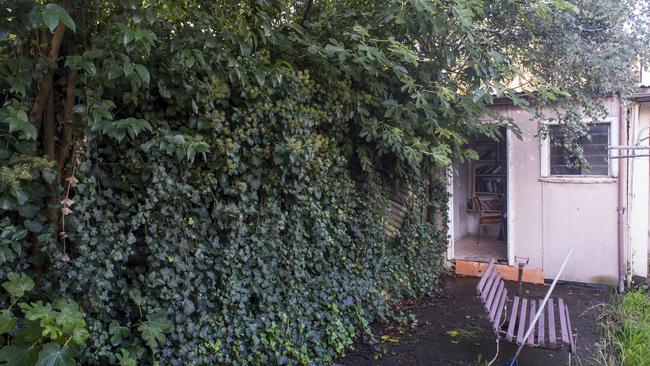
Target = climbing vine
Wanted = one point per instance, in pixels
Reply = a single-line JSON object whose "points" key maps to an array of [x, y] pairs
{"points": [[196, 182]]}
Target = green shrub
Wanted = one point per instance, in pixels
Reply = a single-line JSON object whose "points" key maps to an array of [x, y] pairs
{"points": [[208, 180], [42, 334]]}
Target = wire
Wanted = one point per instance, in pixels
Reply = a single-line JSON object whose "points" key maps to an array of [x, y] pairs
{"points": [[505, 308], [496, 355]]}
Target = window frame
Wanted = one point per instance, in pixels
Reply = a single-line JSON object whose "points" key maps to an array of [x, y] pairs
{"points": [[545, 168]]}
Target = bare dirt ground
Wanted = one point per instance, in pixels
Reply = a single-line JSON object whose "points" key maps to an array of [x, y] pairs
{"points": [[452, 329]]}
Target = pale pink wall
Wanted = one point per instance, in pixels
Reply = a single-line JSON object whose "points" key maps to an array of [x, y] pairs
{"points": [[638, 207], [549, 218], [582, 217]]}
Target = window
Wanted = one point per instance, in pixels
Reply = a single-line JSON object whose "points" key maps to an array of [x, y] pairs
{"points": [[594, 149]]}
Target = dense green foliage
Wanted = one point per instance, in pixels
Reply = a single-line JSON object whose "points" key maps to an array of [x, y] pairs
{"points": [[625, 327], [46, 334], [207, 181]]}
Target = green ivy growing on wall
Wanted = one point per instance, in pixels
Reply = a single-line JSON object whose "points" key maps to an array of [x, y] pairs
{"points": [[269, 250], [207, 182]]}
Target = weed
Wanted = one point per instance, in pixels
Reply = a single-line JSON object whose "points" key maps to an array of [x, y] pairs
{"points": [[625, 329]]}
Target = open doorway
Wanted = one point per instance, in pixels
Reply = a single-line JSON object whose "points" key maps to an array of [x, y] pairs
{"points": [[480, 192]]}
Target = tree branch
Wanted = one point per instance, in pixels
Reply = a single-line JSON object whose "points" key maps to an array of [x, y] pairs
{"points": [[310, 4], [66, 133], [49, 129], [45, 85]]}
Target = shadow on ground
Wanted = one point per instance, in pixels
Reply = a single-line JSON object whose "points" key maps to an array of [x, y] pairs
{"points": [[453, 330]]}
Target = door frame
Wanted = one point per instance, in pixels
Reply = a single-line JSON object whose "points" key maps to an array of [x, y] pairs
{"points": [[510, 218]]}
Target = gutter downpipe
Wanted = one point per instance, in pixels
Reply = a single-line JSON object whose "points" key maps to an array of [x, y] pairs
{"points": [[622, 198]]}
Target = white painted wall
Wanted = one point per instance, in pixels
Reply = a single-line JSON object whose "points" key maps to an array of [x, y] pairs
{"points": [[462, 191]]}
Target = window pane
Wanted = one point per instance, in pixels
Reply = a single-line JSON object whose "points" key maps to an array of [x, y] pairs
{"points": [[594, 151]]}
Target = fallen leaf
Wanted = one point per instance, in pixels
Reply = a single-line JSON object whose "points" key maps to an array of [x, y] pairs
{"points": [[387, 338]]}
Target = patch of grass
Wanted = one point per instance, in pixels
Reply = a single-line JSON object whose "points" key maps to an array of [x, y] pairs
{"points": [[625, 330]]}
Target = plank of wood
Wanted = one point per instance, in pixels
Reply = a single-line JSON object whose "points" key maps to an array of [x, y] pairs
{"points": [[563, 326], [551, 322], [531, 336], [540, 327], [488, 286], [522, 321], [496, 324], [571, 339], [498, 283], [397, 207], [477, 269], [513, 319], [495, 302], [485, 276]]}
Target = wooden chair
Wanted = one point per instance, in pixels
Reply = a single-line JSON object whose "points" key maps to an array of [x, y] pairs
{"points": [[489, 214]]}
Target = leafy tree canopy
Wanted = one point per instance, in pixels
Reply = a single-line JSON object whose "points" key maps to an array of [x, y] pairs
{"points": [[196, 174]]}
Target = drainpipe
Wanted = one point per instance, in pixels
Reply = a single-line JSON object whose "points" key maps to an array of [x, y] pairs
{"points": [[622, 198]]}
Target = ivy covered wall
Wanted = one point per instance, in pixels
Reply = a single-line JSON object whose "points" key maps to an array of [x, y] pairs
{"points": [[268, 249], [207, 182]]}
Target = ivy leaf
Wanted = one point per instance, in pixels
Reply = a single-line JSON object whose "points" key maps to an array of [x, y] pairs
{"points": [[49, 17], [128, 69], [80, 335], [18, 356], [19, 122], [143, 72], [134, 126], [118, 129], [35, 226], [136, 296], [154, 329], [125, 358], [18, 284], [69, 316], [129, 35], [28, 211], [48, 175], [118, 333], [7, 321], [53, 14], [38, 311], [197, 147], [114, 72], [27, 333], [54, 354]]}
